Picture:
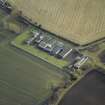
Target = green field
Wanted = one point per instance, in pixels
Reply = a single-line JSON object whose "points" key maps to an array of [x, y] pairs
{"points": [[24, 80], [19, 42], [80, 21]]}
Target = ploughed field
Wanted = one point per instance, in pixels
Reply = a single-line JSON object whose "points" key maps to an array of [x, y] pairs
{"points": [[80, 21], [102, 57], [89, 91], [24, 79]]}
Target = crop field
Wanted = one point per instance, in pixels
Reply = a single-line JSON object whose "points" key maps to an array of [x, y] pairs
{"points": [[24, 80], [19, 43], [89, 91], [80, 21]]}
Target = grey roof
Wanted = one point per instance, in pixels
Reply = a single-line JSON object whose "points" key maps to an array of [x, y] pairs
{"points": [[79, 63], [39, 38], [35, 33], [46, 38], [57, 48], [65, 52], [47, 44]]}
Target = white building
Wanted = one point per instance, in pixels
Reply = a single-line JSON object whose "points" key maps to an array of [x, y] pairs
{"points": [[79, 63]]}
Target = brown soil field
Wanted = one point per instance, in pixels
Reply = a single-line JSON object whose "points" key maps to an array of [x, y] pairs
{"points": [[80, 21], [89, 91]]}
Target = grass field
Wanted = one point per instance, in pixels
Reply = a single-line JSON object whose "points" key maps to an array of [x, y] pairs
{"points": [[80, 21], [18, 42], [24, 80]]}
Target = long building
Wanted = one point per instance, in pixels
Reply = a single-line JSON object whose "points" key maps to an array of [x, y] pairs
{"points": [[65, 52]]}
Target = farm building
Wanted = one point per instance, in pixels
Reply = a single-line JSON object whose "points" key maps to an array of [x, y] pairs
{"points": [[32, 39], [6, 5], [58, 48], [46, 39], [47, 44], [80, 62], [51, 45], [79, 21], [65, 52], [35, 33], [3, 1], [39, 39]]}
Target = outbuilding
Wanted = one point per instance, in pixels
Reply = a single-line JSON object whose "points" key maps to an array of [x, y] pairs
{"points": [[57, 48], [80, 62], [47, 44], [39, 39], [32, 39], [65, 52]]}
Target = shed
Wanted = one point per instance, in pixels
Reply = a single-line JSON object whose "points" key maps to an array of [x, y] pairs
{"points": [[47, 44], [39, 39], [80, 62], [57, 48], [65, 52]]}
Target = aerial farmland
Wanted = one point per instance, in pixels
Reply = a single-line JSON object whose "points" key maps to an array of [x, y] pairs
{"points": [[79, 21], [52, 52]]}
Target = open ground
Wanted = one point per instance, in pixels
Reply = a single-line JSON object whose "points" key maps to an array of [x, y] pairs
{"points": [[80, 21]]}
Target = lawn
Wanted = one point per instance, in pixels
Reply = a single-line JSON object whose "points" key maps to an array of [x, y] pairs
{"points": [[23, 80], [19, 42], [80, 21]]}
